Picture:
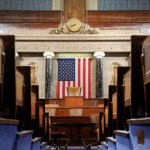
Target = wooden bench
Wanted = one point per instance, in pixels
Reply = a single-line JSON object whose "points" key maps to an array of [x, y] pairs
{"points": [[137, 88], [74, 111], [103, 123], [8, 102], [111, 90], [31, 98], [72, 101], [19, 88], [47, 129], [41, 118], [127, 95], [146, 73], [1, 50], [1, 72], [118, 116], [127, 88], [74, 127], [35, 109]]}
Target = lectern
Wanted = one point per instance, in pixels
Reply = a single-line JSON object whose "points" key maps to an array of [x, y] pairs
{"points": [[74, 91]]}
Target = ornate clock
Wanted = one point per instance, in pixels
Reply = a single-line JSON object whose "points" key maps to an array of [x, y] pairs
{"points": [[74, 24]]}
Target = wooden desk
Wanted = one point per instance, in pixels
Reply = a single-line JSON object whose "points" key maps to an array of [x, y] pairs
{"points": [[78, 136]]}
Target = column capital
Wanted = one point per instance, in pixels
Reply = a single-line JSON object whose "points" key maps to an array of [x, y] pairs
{"points": [[48, 54], [99, 54], [16, 55]]}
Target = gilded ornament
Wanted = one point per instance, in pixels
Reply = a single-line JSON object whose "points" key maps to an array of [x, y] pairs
{"points": [[114, 67], [34, 69]]}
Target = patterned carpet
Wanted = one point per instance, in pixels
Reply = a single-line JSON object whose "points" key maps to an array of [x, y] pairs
{"points": [[78, 148]]}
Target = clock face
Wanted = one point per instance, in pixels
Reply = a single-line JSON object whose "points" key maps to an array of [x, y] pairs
{"points": [[74, 24]]}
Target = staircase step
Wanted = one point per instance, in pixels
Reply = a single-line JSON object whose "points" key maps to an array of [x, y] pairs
{"points": [[111, 143], [36, 143], [48, 147], [8, 129], [43, 145], [104, 145], [140, 133], [23, 140], [123, 140]]}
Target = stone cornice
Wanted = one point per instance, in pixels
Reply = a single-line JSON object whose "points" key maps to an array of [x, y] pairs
{"points": [[72, 38]]}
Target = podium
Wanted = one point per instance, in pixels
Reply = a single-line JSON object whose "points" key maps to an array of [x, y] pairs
{"points": [[74, 91]]}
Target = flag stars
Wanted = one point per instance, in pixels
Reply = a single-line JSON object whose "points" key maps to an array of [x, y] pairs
{"points": [[66, 69]]}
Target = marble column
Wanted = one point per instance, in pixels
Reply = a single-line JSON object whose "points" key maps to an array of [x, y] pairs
{"points": [[48, 74], [99, 73]]}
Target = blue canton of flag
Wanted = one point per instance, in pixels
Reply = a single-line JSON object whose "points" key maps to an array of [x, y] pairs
{"points": [[66, 69]]}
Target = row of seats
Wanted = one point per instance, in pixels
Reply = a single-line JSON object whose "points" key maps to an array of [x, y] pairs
{"points": [[23, 123], [128, 103], [12, 139]]}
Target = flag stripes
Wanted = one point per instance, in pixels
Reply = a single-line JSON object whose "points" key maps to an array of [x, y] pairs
{"points": [[82, 79]]}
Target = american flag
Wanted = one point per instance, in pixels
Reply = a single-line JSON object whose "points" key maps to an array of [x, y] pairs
{"points": [[74, 72]]}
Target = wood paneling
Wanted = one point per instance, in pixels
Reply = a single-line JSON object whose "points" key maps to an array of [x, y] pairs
{"points": [[41, 116], [112, 89], [146, 72], [1, 49], [114, 105], [116, 26], [118, 19], [9, 79], [118, 16], [33, 105], [84, 131], [74, 111], [25, 70], [137, 90], [29, 16], [6, 26], [74, 9], [73, 101], [127, 88], [51, 19], [19, 88], [146, 52]]}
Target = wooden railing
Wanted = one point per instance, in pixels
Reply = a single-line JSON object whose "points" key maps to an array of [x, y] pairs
{"points": [[62, 102]]}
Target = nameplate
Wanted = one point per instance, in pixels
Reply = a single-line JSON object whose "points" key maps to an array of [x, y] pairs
{"points": [[140, 137]]}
